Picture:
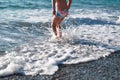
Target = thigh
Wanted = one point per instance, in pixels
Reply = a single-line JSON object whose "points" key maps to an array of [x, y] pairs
{"points": [[60, 20], [55, 19]]}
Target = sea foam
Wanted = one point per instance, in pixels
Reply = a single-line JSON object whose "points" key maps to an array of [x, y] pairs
{"points": [[88, 34], [80, 44]]}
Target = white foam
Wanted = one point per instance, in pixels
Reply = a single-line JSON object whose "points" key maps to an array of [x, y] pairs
{"points": [[26, 15], [94, 14], [11, 69], [80, 44], [8, 39], [118, 20]]}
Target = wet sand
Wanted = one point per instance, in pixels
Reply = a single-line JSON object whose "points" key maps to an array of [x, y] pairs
{"points": [[107, 68]]}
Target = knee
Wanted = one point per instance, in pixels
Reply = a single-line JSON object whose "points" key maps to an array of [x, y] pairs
{"points": [[54, 21], [58, 24], [53, 24]]}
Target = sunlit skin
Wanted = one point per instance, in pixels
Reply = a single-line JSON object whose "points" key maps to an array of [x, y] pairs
{"points": [[58, 5]]}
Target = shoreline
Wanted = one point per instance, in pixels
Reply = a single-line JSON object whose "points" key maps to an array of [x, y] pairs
{"points": [[107, 68]]}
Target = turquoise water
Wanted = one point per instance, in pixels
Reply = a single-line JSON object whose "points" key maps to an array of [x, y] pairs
{"points": [[91, 31], [40, 4]]}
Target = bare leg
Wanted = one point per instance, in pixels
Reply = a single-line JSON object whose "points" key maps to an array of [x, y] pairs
{"points": [[54, 29], [56, 21], [54, 25], [59, 31]]}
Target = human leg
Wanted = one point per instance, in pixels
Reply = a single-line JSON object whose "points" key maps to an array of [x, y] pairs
{"points": [[59, 31], [56, 21], [54, 25], [60, 17]]}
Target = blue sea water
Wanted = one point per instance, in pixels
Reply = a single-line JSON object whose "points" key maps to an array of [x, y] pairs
{"points": [[90, 31], [46, 4]]}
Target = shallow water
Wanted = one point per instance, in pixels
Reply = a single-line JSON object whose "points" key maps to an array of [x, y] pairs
{"points": [[91, 31]]}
